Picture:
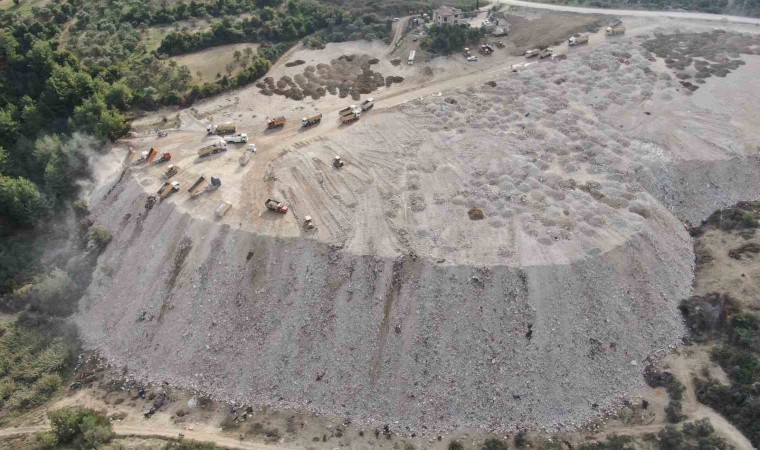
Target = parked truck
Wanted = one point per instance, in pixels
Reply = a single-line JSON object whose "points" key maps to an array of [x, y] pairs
{"points": [[311, 120], [614, 30], [367, 104], [532, 52], [412, 55], [277, 122], [164, 158], [276, 205], [578, 40], [146, 157], [227, 128], [167, 189], [211, 149], [350, 114], [222, 209], [202, 188], [545, 53], [246, 156], [237, 138]]}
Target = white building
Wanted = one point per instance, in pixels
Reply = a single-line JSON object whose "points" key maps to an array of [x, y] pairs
{"points": [[446, 15]]}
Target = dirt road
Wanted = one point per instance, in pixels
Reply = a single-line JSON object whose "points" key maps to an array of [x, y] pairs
{"points": [[635, 13], [398, 31]]}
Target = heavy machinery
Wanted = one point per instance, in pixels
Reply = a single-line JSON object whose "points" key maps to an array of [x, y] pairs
{"points": [[499, 44], [485, 49], [211, 149], [545, 53], [227, 128], [168, 189], [338, 162], [308, 223], [467, 52], [578, 40], [350, 114], [276, 206], [246, 156], [202, 188], [277, 122], [311, 120], [366, 105], [222, 209], [164, 158], [412, 55], [533, 52], [614, 30], [171, 171], [237, 138]]}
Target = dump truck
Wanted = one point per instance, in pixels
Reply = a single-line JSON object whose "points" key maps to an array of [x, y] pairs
{"points": [[545, 53], [167, 189], [222, 209], [200, 181], [617, 29], [276, 205], [152, 154], [165, 157], [350, 114], [171, 171], [366, 105], [277, 122], [216, 183], [338, 162], [246, 156], [211, 149], [311, 120], [227, 128], [237, 138], [578, 40]]}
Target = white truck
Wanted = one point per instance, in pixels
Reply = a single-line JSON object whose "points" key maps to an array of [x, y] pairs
{"points": [[227, 128], [237, 138], [533, 52], [311, 120], [412, 54], [578, 40], [367, 104], [350, 114], [246, 156]]}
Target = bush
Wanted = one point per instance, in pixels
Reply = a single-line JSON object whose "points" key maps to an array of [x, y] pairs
{"points": [[674, 412], [450, 38], [98, 236], [495, 444], [614, 442], [455, 445], [80, 427]]}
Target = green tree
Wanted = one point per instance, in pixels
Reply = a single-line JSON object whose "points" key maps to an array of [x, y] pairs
{"points": [[20, 201], [80, 427], [119, 96], [495, 444]]}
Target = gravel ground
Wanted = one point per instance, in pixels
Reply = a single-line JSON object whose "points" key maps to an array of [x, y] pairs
{"points": [[399, 309]]}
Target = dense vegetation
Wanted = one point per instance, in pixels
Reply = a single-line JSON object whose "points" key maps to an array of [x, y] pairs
{"points": [[749, 8], [450, 38], [34, 359], [692, 436], [76, 428]]}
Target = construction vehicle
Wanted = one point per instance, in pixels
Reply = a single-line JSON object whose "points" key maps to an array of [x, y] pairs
{"points": [[227, 128], [277, 122], [165, 157], [237, 138], [168, 189], [578, 40], [617, 29], [308, 223], [485, 49], [412, 55], [211, 149], [222, 209], [350, 114], [216, 183], [532, 53], [277, 206], [467, 52], [198, 183], [545, 53], [246, 156], [311, 120], [499, 44], [366, 105], [338, 162], [144, 157], [171, 171]]}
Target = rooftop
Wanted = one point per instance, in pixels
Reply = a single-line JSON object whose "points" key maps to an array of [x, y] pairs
{"points": [[448, 11]]}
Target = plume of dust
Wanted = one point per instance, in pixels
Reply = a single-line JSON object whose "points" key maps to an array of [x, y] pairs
{"points": [[105, 162]]}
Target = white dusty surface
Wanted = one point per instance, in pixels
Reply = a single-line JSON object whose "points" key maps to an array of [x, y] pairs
{"points": [[399, 309]]}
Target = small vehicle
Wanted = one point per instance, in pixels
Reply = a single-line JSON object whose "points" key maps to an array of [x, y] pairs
{"points": [[472, 58], [161, 134], [277, 122], [277, 206], [367, 104], [237, 138], [533, 52], [222, 209], [396, 19]]}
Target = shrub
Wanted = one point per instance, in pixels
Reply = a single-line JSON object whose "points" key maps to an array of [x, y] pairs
{"points": [[674, 412], [98, 236], [495, 444], [80, 427], [455, 445]]}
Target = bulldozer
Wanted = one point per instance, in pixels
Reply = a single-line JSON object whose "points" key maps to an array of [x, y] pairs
{"points": [[276, 206], [171, 171]]}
